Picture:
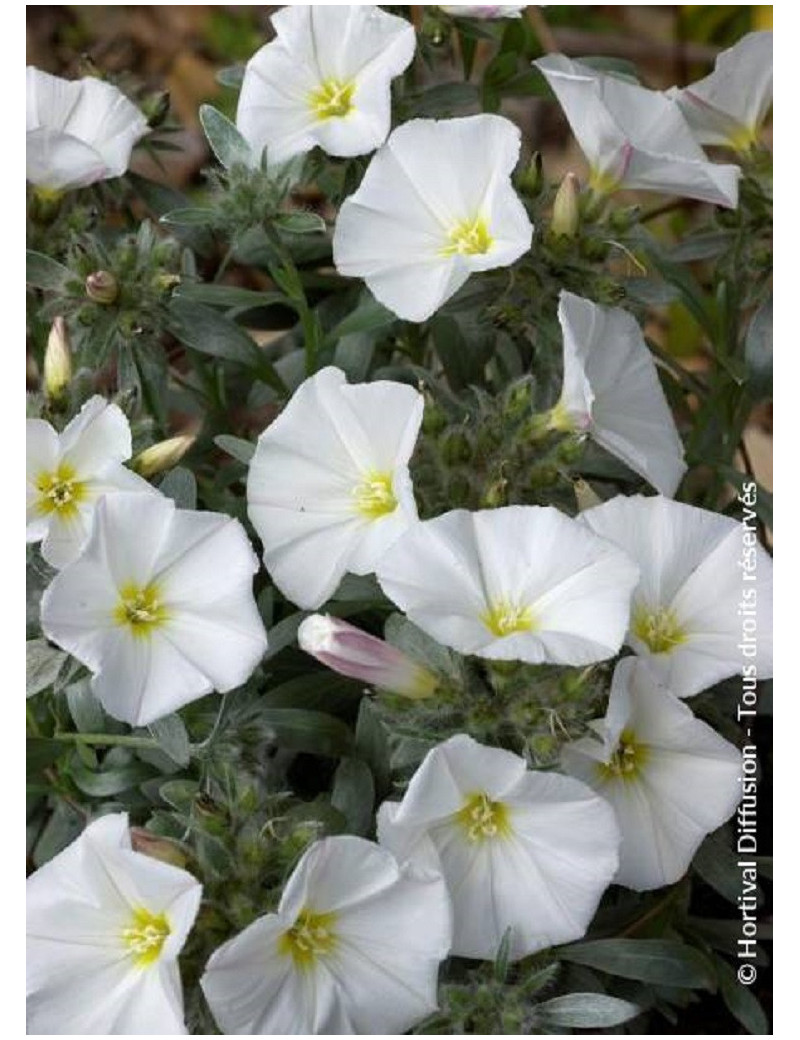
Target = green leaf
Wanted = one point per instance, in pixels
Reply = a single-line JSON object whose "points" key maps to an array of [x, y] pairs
{"points": [[354, 355], [444, 99], [372, 745], [717, 865], [180, 485], [740, 1001], [705, 246], [108, 782], [758, 351], [236, 447], [84, 707], [189, 216], [315, 691], [63, 827], [311, 731], [368, 315], [40, 753], [301, 222], [44, 273], [585, 1011], [226, 295], [42, 665], [226, 142], [180, 794], [172, 738], [662, 962], [232, 76], [203, 329], [501, 961], [354, 794]]}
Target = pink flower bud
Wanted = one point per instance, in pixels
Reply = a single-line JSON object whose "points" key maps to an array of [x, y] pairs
{"points": [[358, 655]]}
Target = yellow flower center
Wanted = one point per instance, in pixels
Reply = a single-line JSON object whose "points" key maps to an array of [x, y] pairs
{"points": [[504, 618], [374, 496], [626, 762], [332, 99], [140, 609], [145, 936], [658, 629], [483, 819], [743, 139], [310, 936], [60, 492], [468, 238]]}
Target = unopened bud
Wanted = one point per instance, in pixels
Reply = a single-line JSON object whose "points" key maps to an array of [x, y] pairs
{"points": [[163, 455], [157, 847], [530, 180], [566, 212], [354, 653], [57, 360], [102, 287]]}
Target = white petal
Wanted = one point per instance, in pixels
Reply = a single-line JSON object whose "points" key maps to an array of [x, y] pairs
{"points": [[99, 434], [734, 100], [128, 534], [251, 988], [605, 354], [77, 610], [78, 132], [66, 536]]}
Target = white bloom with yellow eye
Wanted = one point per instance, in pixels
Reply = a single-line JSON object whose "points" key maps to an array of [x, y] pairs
{"points": [[703, 605], [729, 106], [324, 80], [329, 489], [104, 930], [77, 131], [353, 948], [635, 138], [159, 606], [68, 472], [611, 391], [435, 205], [520, 583], [524, 850], [670, 778]]}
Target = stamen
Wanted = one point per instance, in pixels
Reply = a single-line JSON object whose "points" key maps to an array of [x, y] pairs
{"points": [[311, 936], [374, 496], [140, 609], [146, 936], [658, 629], [484, 819], [468, 238], [60, 492], [504, 618], [332, 99]]}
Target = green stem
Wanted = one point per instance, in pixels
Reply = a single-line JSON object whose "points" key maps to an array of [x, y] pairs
{"points": [[107, 740], [291, 283]]}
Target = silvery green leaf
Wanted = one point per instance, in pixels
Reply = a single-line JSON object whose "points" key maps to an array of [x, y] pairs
{"points": [[226, 142]]}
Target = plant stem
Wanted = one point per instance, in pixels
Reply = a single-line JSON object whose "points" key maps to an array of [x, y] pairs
{"points": [[107, 740]]}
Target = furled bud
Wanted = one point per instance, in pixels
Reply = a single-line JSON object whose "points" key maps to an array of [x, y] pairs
{"points": [[158, 847], [57, 360], [102, 287], [530, 180], [566, 213], [358, 655], [163, 455]]}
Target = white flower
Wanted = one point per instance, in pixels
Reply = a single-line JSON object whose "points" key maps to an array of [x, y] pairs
{"points": [[78, 131], [105, 927], [159, 606], [329, 489], [352, 652], [435, 205], [729, 106], [354, 947], [611, 391], [669, 777], [66, 474], [324, 80], [634, 137], [703, 605], [484, 12], [529, 851], [519, 584]]}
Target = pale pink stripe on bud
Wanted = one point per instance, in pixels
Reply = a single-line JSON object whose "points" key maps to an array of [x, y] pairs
{"points": [[354, 653]]}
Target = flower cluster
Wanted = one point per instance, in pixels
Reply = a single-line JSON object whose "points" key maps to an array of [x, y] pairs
{"points": [[621, 608]]}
